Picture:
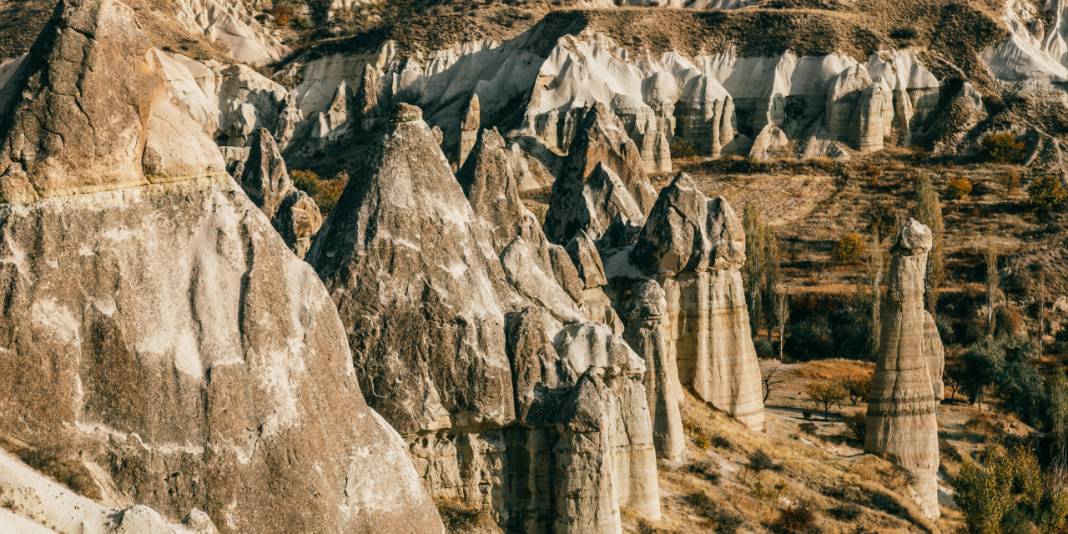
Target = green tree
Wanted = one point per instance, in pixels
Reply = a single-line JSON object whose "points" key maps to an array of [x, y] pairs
{"points": [[761, 270], [929, 212], [1047, 193], [826, 394]]}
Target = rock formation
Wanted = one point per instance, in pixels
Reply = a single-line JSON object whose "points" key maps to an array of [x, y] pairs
{"points": [[157, 334], [266, 181], [510, 399], [649, 131], [694, 248], [705, 116], [602, 179], [469, 127], [648, 330], [902, 404]]}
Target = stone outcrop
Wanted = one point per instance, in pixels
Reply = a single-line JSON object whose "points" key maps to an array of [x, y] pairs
{"points": [[650, 132], [469, 127], [157, 334], [266, 181], [511, 400], [648, 330], [705, 116], [602, 179], [901, 419], [694, 248], [859, 110]]}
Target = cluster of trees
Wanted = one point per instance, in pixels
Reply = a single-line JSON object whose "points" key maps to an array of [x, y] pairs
{"points": [[1008, 491]]}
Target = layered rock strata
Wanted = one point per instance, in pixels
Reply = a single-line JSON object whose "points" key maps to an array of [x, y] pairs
{"points": [[694, 248], [510, 399], [157, 333], [266, 181], [901, 419]]}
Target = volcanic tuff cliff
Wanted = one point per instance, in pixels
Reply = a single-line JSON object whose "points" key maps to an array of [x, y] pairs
{"points": [[907, 384], [533, 412], [158, 336]]}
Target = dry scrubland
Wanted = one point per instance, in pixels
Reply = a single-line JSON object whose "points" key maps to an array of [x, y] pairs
{"points": [[805, 473]]}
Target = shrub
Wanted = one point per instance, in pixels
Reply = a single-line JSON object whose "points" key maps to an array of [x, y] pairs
{"points": [[798, 518], [810, 338], [726, 522], [845, 512], [1047, 193], [682, 148], [707, 469], [850, 248], [959, 187], [902, 34], [809, 428], [857, 389], [324, 191], [763, 348], [1002, 147], [760, 461], [1010, 180]]}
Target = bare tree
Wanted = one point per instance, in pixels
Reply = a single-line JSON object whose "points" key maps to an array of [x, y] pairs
{"points": [[771, 378], [1041, 309], [992, 283], [875, 265], [782, 315]]}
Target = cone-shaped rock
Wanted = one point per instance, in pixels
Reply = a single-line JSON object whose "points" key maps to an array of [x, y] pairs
{"points": [[156, 329], [902, 404], [415, 287], [601, 153], [469, 126], [472, 347]]}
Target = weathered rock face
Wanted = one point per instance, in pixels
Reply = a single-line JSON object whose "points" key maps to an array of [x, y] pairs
{"points": [[648, 332], [602, 179], [469, 127], [530, 397], [694, 248], [266, 181], [33, 501], [649, 130], [705, 116], [902, 405], [859, 110], [157, 331]]}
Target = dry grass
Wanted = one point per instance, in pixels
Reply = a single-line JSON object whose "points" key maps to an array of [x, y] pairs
{"points": [[753, 499], [848, 491]]}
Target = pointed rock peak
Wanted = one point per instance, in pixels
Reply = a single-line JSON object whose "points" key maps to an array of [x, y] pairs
{"points": [[88, 110], [584, 254], [473, 116], [674, 238], [265, 178], [487, 176], [726, 234], [914, 239]]}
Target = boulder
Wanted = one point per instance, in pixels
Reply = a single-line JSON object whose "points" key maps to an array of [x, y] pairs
{"points": [[157, 332], [901, 419]]}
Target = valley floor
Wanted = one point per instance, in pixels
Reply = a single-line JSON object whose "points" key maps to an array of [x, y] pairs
{"points": [[806, 473]]}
